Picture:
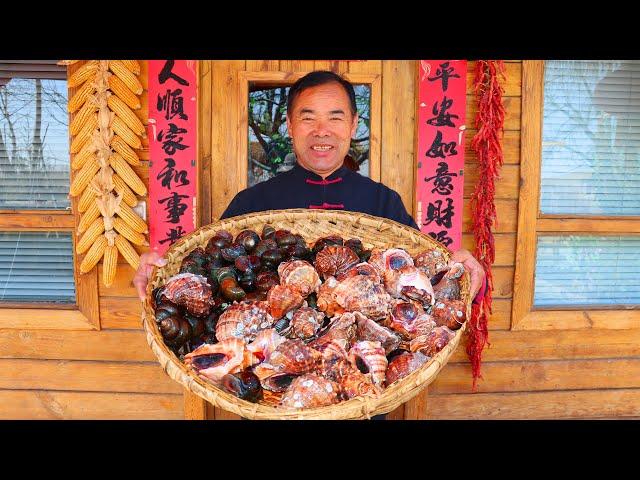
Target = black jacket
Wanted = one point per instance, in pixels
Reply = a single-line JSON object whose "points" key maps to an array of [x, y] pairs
{"points": [[344, 189]]}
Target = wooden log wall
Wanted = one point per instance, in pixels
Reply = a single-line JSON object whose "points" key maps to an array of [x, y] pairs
{"points": [[112, 373]]}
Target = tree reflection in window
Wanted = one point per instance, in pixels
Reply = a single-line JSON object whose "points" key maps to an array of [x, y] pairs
{"points": [[270, 150]]}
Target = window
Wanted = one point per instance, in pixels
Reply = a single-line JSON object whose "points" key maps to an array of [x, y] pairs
{"points": [[38, 286], [578, 256], [270, 149]]}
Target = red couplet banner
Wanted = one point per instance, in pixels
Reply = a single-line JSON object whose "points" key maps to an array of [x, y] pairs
{"points": [[441, 127], [173, 149]]}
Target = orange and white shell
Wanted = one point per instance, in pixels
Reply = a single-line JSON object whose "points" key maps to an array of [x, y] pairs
{"points": [[369, 358], [407, 276], [390, 259], [265, 343], [341, 329], [450, 313], [410, 320], [305, 323], [402, 365], [448, 288], [283, 299], [227, 356], [310, 391], [431, 343], [354, 383], [431, 262], [362, 294], [326, 300], [300, 275], [362, 268], [372, 331], [335, 259], [190, 291], [244, 320], [295, 357]]}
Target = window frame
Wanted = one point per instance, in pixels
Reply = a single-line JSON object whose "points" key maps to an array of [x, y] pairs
{"points": [[281, 78], [85, 313], [532, 223]]}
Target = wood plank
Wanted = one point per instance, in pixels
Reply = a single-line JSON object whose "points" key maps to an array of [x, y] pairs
{"points": [[510, 146], [529, 188], [322, 65], [122, 286], [507, 216], [263, 65], [540, 376], [588, 226], [35, 222], [397, 414], [296, 65], [557, 345], [204, 141], [512, 83], [121, 313], [507, 185], [511, 112], [112, 345], [195, 407], [539, 405], [50, 405], [417, 407], [368, 66], [505, 247], [224, 166], [89, 376], [502, 282], [398, 129], [42, 318], [622, 318]]}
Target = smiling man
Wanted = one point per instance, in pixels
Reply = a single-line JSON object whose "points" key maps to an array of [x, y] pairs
{"points": [[321, 119]]}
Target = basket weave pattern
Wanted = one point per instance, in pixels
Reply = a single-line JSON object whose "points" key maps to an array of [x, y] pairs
{"points": [[311, 224]]}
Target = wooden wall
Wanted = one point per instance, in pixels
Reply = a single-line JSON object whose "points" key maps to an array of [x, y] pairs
{"points": [[105, 374], [112, 373]]}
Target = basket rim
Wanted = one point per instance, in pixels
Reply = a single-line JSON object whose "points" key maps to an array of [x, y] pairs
{"points": [[355, 408]]}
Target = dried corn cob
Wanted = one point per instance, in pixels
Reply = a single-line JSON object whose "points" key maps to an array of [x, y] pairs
{"points": [[90, 215], [126, 114], [128, 252], [120, 128], [86, 199], [67, 62], [132, 65], [132, 219], [84, 156], [83, 177], [127, 232], [123, 189], [128, 78], [83, 74], [82, 116], [85, 134], [109, 265], [118, 87], [94, 254], [80, 97], [90, 236], [120, 146], [127, 174]]}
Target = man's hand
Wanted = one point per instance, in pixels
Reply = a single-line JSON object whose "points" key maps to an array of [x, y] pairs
{"points": [[476, 272], [142, 276]]}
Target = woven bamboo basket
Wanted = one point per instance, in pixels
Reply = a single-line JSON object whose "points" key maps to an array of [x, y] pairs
{"points": [[311, 224]]}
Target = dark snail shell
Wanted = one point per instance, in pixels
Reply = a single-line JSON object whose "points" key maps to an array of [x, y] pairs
{"points": [[219, 242], [233, 252], [169, 326], [248, 239], [196, 325], [326, 241], [286, 240], [244, 385], [198, 255], [268, 232], [266, 280]]}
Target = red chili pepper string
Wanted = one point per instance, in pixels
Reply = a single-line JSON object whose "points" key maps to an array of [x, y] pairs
{"points": [[487, 145]]}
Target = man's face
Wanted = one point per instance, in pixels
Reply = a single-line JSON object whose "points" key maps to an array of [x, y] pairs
{"points": [[321, 126]]}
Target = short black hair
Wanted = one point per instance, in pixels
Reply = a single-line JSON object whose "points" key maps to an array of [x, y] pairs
{"points": [[320, 77]]}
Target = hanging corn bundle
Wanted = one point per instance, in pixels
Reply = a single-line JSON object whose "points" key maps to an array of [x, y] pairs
{"points": [[106, 132]]}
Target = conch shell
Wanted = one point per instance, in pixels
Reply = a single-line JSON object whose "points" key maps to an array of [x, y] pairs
{"points": [[283, 299], [335, 259], [305, 324], [410, 320], [243, 320], [300, 275], [450, 313], [309, 391], [190, 291], [364, 295], [369, 357], [213, 361], [403, 364], [372, 331], [409, 282], [433, 342]]}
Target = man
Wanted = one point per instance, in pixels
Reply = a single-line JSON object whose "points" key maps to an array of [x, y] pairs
{"points": [[321, 120]]}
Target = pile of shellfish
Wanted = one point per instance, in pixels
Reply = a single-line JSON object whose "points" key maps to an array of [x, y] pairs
{"points": [[272, 319]]}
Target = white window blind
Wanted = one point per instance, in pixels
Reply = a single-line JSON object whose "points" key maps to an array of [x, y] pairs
{"points": [[36, 267], [591, 138], [34, 141], [587, 270]]}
